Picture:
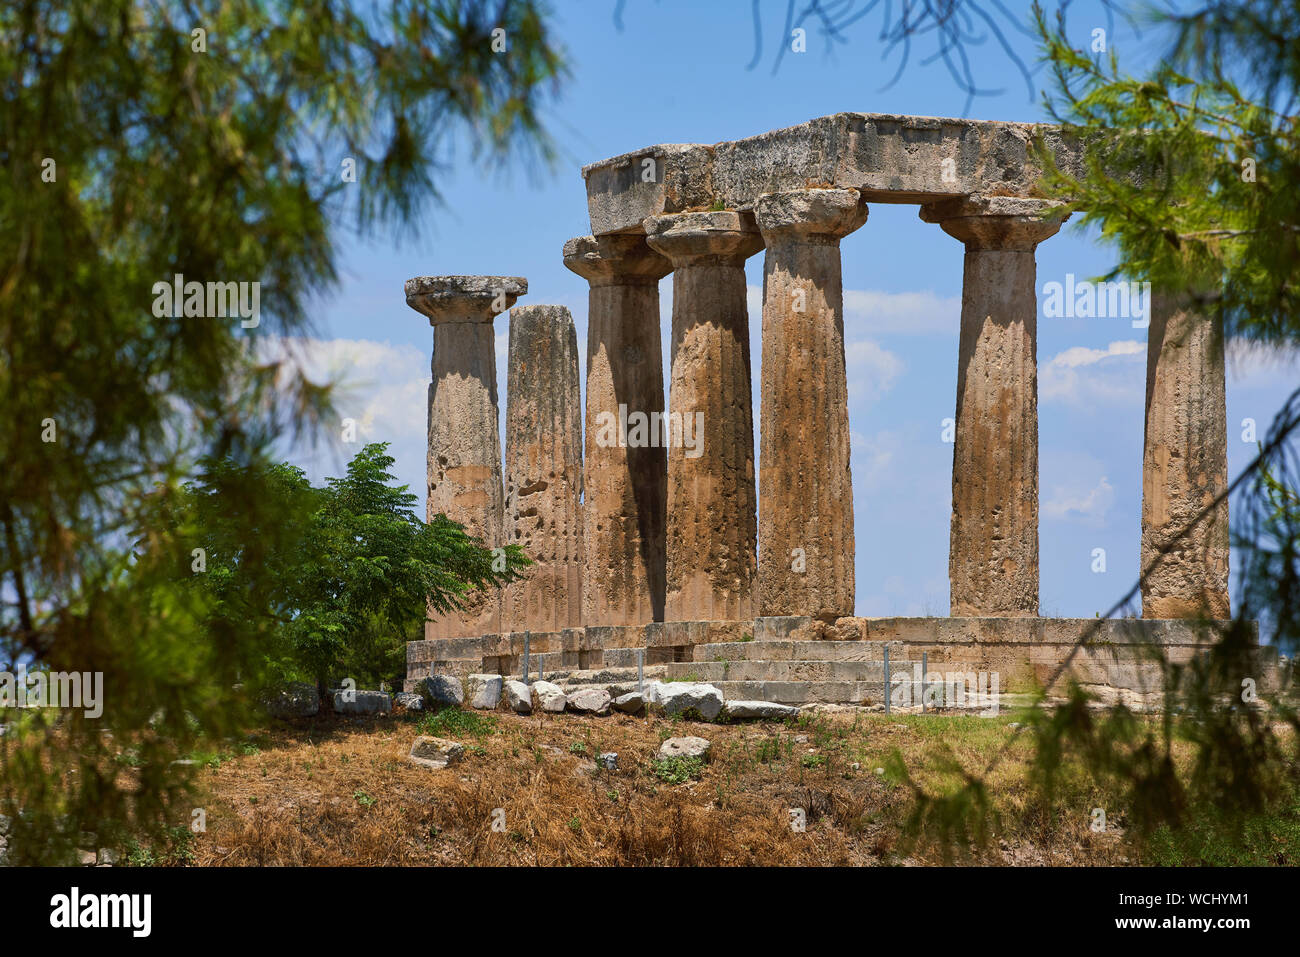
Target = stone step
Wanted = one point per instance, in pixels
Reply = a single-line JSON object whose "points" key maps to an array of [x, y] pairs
{"points": [[791, 650], [608, 675], [803, 692], [615, 680], [547, 663], [862, 693], [553, 670], [555, 661], [745, 670]]}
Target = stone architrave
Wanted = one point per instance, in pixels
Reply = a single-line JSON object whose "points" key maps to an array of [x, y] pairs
{"points": [[625, 486], [1184, 464], [544, 470], [993, 556], [888, 158], [464, 457], [805, 514], [709, 429]]}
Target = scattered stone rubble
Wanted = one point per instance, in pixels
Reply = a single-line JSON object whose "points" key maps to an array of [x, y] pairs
{"points": [[599, 693], [362, 702], [298, 699], [484, 691], [688, 747], [435, 753]]}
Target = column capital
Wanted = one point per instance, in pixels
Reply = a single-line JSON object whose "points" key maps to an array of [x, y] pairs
{"points": [[725, 238], [447, 299], [619, 259], [810, 215], [997, 222]]}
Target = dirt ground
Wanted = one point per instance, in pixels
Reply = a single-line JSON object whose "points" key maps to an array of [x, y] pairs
{"points": [[529, 791]]}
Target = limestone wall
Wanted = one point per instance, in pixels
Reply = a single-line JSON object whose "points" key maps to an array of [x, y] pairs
{"points": [[1117, 662]]}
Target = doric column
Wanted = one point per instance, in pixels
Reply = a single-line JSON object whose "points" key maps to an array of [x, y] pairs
{"points": [[709, 430], [625, 483], [1184, 463], [544, 470], [993, 556], [464, 464], [805, 513]]}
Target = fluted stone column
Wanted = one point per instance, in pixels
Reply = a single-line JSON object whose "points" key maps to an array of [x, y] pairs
{"points": [[712, 506], [625, 485], [1184, 463], [464, 465], [805, 514], [544, 470], [993, 556]]}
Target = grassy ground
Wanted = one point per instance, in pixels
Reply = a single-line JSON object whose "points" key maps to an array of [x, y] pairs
{"points": [[340, 791]]}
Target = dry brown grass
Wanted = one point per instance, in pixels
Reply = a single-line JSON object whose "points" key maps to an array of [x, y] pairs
{"points": [[341, 792]]}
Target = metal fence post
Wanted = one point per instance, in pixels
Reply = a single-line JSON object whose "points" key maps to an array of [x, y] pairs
{"points": [[886, 677], [527, 636], [925, 677]]}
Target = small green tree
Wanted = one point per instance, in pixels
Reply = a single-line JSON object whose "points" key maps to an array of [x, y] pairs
{"points": [[351, 581]]}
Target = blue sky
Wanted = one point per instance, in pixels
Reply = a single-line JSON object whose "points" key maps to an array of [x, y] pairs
{"points": [[676, 72]]}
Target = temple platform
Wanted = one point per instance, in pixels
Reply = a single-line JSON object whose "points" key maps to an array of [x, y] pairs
{"points": [[800, 661]]}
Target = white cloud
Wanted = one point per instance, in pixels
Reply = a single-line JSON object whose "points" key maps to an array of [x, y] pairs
{"points": [[870, 457], [907, 313], [872, 370], [1073, 503], [1116, 375], [1083, 376], [1252, 365], [1083, 356], [872, 312], [381, 386]]}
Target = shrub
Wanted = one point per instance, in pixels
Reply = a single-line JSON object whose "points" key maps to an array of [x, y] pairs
{"points": [[678, 769]]}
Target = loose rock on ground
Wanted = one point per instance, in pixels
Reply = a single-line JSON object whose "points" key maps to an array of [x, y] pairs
{"points": [[435, 753], [689, 747], [442, 691]]}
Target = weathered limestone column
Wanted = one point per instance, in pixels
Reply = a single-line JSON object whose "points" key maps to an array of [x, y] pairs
{"points": [[805, 514], [709, 431], [544, 470], [625, 485], [1184, 463], [993, 556], [464, 468]]}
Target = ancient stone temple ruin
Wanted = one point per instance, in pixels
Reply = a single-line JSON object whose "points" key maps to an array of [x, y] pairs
{"points": [[662, 536]]}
